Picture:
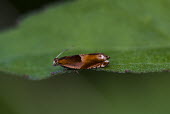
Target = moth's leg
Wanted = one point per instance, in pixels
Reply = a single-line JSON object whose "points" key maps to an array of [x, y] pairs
{"points": [[76, 71]]}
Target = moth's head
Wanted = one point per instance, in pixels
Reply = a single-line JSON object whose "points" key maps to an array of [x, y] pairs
{"points": [[55, 62]]}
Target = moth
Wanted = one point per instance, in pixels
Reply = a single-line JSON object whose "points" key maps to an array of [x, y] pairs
{"points": [[82, 61]]}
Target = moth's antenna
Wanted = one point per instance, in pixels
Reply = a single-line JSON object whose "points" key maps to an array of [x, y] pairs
{"points": [[62, 52]]}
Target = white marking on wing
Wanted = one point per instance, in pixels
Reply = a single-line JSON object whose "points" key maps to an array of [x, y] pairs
{"points": [[106, 61], [102, 65], [102, 57]]}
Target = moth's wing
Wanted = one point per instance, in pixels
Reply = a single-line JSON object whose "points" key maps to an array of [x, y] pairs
{"points": [[73, 62], [89, 61], [83, 61], [98, 65]]}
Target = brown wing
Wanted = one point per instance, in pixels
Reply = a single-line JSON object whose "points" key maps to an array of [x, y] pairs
{"points": [[90, 60], [73, 62], [98, 65], [82, 61]]}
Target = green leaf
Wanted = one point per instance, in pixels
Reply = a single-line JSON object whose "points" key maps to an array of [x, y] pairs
{"points": [[135, 34]]}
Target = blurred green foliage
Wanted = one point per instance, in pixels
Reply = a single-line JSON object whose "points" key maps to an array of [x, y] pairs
{"points": [[135, 34], [87, 93]]}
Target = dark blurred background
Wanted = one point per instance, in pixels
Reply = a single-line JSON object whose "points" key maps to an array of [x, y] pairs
{"points": [[12, 10], [86, 93]]}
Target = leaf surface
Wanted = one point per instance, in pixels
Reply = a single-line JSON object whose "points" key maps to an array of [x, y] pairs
{"points": [[135, 34]]}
